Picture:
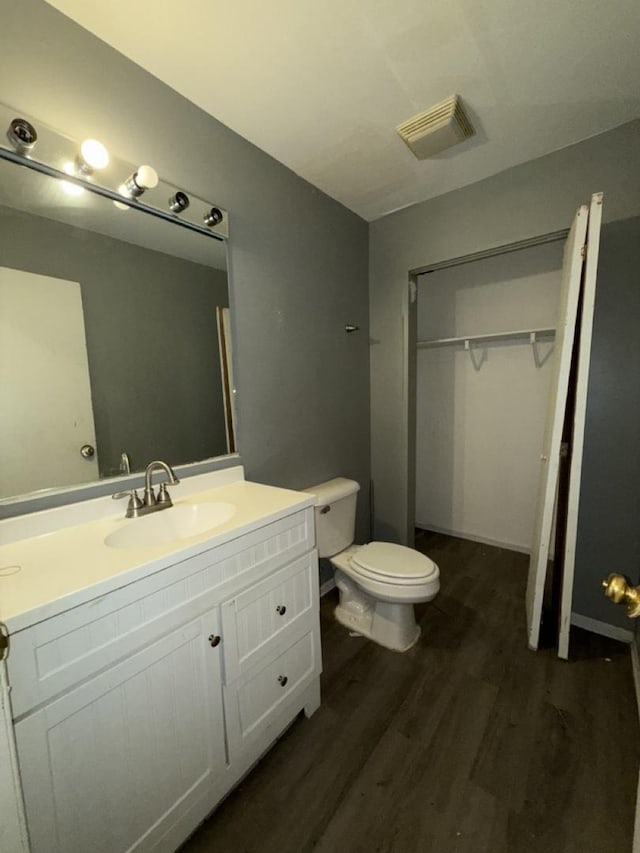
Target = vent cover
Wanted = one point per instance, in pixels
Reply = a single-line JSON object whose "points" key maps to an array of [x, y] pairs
{"points": [[436, 129]]}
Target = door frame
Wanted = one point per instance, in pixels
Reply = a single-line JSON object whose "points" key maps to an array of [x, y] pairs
{"points": [[410, 324]]}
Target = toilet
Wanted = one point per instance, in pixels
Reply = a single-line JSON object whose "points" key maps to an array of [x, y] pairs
{"points": [[379, 582]]}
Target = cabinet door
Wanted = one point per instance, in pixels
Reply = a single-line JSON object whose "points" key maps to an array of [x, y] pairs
{"points": [[117, 763]]}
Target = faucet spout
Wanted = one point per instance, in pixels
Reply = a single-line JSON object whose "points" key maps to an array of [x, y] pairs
{"points": [[158, 465], [163, 496]]}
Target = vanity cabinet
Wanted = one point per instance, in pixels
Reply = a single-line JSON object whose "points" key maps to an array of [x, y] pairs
{"points": [[136, 712]]}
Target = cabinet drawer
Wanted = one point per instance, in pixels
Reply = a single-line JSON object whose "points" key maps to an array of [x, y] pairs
{"points": [[54, 655], [276, 611], [254, 701]]}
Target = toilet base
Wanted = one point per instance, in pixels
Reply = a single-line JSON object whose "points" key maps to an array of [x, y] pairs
{"points": [[390, 624]]}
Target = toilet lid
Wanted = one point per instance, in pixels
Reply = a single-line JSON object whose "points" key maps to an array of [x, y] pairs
{"points": [[393, 561]]}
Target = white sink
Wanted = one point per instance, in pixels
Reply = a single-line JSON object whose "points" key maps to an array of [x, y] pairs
{"points": [[181, 521]]}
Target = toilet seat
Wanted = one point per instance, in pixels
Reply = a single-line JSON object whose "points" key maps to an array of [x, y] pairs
{"points": [[385, 562]]}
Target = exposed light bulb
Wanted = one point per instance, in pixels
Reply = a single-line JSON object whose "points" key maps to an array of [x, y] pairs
{"points": [[94, 154], [144, 178]]}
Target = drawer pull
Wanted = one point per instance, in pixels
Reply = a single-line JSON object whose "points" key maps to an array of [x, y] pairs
{"points": [[214, 640], [281, 609], [282, 680]]}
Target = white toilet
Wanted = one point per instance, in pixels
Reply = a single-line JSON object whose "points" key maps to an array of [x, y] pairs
{"points": [[379, 583]]}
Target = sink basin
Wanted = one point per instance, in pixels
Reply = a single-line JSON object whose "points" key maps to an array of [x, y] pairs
{"points": [[166, 526]]}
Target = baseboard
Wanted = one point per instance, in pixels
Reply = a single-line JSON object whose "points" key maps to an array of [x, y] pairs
{"points": [[602, 628], [327, 586], [460, 534]]}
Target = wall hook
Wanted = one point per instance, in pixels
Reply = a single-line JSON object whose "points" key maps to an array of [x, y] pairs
{"points": [[351, 328]]}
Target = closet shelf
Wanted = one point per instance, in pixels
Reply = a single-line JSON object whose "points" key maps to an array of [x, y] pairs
{"points": [[528, 334]]}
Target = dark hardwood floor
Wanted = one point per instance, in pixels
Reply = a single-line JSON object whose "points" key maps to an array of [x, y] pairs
{"points": [[468, 742]]}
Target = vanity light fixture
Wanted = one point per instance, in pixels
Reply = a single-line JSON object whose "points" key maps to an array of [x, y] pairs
{"points": [[213, 217], [22, 135], [179, 202], [144, 178]]}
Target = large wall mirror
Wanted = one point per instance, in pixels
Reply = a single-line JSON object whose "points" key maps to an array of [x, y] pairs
{"points": [[111, 337]]}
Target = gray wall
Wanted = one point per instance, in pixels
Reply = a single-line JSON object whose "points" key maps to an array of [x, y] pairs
{"points": [[298, 260], [538, 197], [152, 343], [609, 514]]}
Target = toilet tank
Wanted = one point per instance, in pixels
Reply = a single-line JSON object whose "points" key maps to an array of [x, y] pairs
{"points": [[335, 514]]}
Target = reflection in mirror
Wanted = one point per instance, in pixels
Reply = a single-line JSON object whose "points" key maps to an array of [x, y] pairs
{"points": [[109, 338]]}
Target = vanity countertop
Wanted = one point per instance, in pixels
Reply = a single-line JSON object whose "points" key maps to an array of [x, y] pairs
{"points": [[45, 574]]}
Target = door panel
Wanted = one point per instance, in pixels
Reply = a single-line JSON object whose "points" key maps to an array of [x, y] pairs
{"points": [[550, 458], [46, 414], [577, 442]]}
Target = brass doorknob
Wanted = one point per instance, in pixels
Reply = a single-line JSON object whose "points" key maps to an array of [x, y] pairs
{"points": [[618, 589]]}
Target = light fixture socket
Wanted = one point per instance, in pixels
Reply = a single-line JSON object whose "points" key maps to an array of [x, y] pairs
{"points": [[179, 202], [22, 135], [213, 217], [144, 178]]}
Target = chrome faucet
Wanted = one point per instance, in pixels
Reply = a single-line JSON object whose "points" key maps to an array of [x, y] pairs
{"points": [[163, 500], [151, 502]]}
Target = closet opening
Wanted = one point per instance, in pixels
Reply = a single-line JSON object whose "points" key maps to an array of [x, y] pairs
{"points": [[482, 336]]}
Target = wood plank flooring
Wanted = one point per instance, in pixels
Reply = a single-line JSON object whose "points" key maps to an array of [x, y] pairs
{"points": [[468, 743]]}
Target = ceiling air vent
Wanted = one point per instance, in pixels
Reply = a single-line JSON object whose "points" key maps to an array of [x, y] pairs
{"points": [[436, 129]]}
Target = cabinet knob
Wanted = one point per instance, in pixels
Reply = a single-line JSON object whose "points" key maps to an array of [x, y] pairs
{"points": [[282, 680], [281, 609], [214, 640]]}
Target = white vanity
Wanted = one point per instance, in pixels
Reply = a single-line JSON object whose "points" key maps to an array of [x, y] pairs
{"points": [[148, 675]]}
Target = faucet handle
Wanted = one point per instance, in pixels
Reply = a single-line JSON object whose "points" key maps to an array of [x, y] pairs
{"points": [[127, 493], [134, 501], [163, 495]]}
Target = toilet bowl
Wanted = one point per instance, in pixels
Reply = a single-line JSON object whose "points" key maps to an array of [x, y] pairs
{"points": [[378, 582]]}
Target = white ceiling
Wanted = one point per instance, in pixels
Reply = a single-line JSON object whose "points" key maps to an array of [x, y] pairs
{"points": [[321, 85]]}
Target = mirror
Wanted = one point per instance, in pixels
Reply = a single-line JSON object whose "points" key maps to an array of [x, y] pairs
{"points": [[109, 339]]}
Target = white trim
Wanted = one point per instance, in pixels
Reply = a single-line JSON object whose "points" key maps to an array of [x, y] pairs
{"points": [[484, 540], [602, 628], [327, 586], [13, 822], [503, 249], [569, 298], [579, 418]]}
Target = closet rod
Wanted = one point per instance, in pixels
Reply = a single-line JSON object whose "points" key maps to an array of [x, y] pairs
{"points": [[530, 334]]}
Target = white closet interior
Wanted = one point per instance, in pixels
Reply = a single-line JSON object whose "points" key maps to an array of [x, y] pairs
{"points": [[482, 401]]}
